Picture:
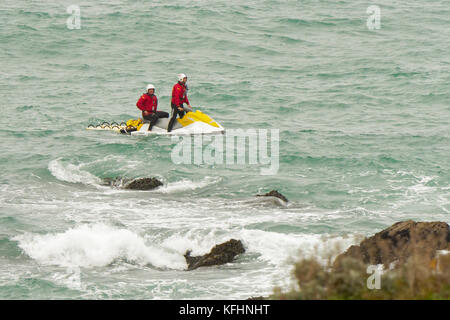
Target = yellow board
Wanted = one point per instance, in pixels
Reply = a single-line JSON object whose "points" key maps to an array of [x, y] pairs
{"points": [[196, 116]]}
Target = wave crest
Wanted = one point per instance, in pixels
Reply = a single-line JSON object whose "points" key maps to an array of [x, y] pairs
{"points": [[97, 245], [71, 173]]}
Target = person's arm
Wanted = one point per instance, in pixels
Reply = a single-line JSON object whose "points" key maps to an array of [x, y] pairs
{"points": [[188, 108], [140, 103], [186, 100]]}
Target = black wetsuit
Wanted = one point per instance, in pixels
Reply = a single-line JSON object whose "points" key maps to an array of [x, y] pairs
{"points": [[153, 117], [175, 112]]}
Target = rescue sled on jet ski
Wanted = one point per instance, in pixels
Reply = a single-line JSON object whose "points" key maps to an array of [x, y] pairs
{"points": [[192, 123]]}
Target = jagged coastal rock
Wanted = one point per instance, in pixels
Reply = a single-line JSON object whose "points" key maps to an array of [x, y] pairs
{"points": [[399, 242], [133, 184], [220, 254], [274, 193], [143, 184]]}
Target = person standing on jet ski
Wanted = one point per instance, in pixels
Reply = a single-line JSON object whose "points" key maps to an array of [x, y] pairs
{"points": [[179, 96], [148, 103]]}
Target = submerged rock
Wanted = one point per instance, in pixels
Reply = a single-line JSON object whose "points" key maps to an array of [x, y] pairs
{"points": [[274, 193], [400, 242], [133, 184], [220, 254]]}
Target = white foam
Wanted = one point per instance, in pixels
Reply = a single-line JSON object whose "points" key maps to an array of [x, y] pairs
{"points": [[187, 185], [195, 240], [71, 279], [71, 173], [281, 248], [273, 247], [95, 246], [420, 187]]}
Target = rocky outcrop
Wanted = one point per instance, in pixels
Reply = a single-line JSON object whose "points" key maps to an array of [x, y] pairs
{"points": [[133, 184], [400, 242], [220, 254], [143, 184], [274, 193]]}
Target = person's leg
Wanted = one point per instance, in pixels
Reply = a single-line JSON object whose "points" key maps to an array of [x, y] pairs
{"points": [[153, 120], [147, 117], [172, 119], [162, 114]]}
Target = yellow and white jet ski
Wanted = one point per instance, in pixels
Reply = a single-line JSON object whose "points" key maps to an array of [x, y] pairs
{"points": [[192, 123]]}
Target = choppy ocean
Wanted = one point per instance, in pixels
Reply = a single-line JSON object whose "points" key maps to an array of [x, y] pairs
{"points": [[363, 116]]}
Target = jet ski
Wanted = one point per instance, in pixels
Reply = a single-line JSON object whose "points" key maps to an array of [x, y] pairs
{"points": [[192, 123]]}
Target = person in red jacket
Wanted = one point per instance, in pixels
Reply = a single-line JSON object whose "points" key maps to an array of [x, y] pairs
{"points": [[179, 96], [148, 103]]}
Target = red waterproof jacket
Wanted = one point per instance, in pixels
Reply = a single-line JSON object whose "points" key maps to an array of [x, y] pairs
{"points": [[147, 103], [179, 94]]}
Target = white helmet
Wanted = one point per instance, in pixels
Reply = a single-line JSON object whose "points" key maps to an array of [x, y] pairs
{"points": [[150, 86], [181, 76]]}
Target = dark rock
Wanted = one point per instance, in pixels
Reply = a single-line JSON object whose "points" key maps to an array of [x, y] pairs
{"points": [[400, 242], [132, 184], [143, 184], [274, 193], [220, 254]]}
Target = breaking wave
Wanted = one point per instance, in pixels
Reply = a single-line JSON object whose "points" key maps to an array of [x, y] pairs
{"points": [[71, 173], [97, 245]]}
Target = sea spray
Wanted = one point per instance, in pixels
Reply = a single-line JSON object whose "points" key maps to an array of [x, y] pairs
{"points": [[96, 245]]}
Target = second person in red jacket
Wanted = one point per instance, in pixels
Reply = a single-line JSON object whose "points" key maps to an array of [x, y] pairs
{"points": [[148, 103], [179, 96]]}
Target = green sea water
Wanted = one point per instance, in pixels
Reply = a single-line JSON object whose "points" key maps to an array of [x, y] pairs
{"points": [[364, 139]]}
